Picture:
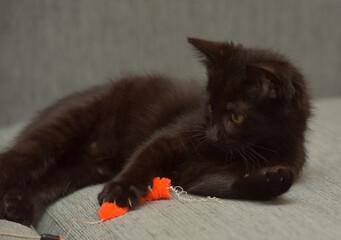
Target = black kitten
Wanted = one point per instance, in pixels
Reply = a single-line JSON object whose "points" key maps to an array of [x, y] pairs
{"points": [[240, 137]]}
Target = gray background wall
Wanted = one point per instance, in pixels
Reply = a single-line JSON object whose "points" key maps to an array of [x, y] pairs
{"points": [[51, 48]]}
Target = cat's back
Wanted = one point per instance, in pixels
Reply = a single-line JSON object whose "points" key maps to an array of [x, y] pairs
{"points": [[128, 110], [152, 91], [135, 107], [137, 104], [152, 101]]}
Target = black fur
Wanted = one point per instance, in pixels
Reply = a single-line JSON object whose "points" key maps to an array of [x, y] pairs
{"points": [[127, 132]]}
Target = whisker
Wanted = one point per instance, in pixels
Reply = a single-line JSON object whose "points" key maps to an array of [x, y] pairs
{"points": [[262, 147], [251, 160], [244, 160], [253, 157], [260, 155]]}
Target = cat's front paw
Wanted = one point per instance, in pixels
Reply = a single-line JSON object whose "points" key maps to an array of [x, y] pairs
{"points": [[266, 184], [17, 206], [123, 193]]}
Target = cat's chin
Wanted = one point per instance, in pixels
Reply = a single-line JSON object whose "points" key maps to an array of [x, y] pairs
{"points": [[223, 146], [224, 143]]}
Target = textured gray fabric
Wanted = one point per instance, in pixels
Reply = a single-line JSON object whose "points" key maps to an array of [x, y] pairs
{"points": [[51, 48], [15, 228], [310, 210]]}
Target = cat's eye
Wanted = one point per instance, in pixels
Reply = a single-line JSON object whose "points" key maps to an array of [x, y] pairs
{"points": [[236, 118], [209, 108]]}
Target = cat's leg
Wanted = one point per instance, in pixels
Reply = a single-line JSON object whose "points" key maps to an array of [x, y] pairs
{"points": [[43, 142], [155, 158], [63, 180], [18, 203], [17, 206], [263, 184], [56, 133]]}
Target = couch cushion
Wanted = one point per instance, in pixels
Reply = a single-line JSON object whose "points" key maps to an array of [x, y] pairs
{"points": [[15, 228], [310, 210]]}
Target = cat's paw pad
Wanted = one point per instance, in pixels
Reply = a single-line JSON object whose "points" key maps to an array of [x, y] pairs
{"points": [[265, 184], [17, 206], [122, 194]]}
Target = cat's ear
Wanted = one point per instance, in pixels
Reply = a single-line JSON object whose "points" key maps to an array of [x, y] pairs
{"points": [[270, 83], [211, 51]]}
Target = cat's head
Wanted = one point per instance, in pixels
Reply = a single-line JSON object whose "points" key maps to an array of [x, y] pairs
{"points": [[254, 95]]}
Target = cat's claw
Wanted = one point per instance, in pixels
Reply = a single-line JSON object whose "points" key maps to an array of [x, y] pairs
{"points": [[129, 201], [122, 194], [150, 189]]}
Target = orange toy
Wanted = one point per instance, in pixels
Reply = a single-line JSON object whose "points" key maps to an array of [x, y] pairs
{"points": [[160, 191]]}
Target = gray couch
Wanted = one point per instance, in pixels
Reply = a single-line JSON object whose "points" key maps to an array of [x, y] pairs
{"points": [[51, 48]]}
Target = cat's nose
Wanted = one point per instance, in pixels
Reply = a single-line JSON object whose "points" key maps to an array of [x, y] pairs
{"points": [[214, 134]]}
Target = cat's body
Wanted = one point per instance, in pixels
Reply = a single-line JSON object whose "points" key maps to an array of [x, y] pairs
{"points": [[127, 132]]}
